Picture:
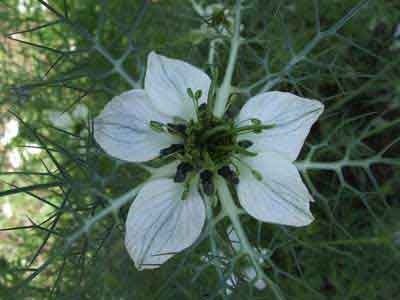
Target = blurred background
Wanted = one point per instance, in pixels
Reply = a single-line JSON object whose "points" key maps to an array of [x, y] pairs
{"points": [[62, 61]]}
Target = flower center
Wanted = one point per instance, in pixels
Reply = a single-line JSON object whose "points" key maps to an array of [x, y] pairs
{"points": [[208, 146], [209, 141]]}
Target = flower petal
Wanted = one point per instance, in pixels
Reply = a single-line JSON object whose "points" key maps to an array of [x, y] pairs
{"points": [[280, 197], [167, 81], [293, 117], [160, 223], [122, 129]]}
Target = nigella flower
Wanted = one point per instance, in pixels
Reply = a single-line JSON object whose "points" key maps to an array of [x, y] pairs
{"points": [[172, 118]]}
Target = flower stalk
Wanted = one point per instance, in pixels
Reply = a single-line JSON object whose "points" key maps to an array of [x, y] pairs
{"points": [[232, 212], [225, 89]]}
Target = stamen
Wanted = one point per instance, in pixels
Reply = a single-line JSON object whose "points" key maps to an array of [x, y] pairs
{"points": [[177, 128], [229, 175], [257, 175], [245, 143], [181, 171], [206, 178], [171, 149], [157, 126]]}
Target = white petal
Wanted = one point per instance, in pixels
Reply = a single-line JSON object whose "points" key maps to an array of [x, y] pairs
{"points": [[293, 117], [280, 197], [167, 81], [160, 223], [122, 129]]}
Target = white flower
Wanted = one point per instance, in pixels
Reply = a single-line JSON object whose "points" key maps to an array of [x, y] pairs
{"points": [[22, 6], [254, 153], [7, 210], [11, 130], [15, 159], [66, 120], [33, 149]]}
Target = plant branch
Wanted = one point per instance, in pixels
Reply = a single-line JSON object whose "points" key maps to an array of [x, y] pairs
{"points": [[232, 211], [225, 89]]}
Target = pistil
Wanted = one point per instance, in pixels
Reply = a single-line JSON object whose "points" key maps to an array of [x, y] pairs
{"points": [[253, 128]]}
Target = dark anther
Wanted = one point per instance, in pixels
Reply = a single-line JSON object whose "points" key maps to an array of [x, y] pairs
{"points": [[207, 182], [229, 175], [171, 149], [181, 171], [245, 144], [208, 188], [177, 128], [206, 175]]}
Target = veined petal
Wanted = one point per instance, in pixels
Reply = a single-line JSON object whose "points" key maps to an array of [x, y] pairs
{"points": [[167, 81], [293, 117], [160, 223], [280, 197], [122, 128]]}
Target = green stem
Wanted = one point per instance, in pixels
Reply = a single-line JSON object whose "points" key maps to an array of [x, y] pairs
{"points": [[225, 89], [213, 244], [114, 205], [232, 211]]}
